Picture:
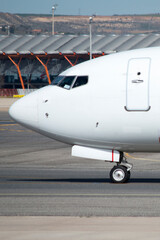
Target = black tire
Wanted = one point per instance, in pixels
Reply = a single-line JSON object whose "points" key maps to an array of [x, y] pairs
{"points": [[129, 175], [119, 174]]}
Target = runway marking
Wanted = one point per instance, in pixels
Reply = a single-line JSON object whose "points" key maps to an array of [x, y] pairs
{"points": [[142, 159], [6, 125], [14, 130], [78, 195]]}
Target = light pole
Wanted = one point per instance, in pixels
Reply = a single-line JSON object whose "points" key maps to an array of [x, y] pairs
{"points": [[8, 30], [90, 34], [53, 11]]}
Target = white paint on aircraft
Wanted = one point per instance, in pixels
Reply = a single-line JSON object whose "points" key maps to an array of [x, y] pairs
{"points": [[109, 104]]}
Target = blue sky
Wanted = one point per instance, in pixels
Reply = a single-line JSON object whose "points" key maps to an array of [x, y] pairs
{"points": [[83, 7]]}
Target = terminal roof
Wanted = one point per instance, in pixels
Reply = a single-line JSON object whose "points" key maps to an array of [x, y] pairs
{"points": [[75, 44]]}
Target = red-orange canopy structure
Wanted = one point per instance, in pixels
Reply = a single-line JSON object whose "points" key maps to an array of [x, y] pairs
{"points": [[44, 48]]}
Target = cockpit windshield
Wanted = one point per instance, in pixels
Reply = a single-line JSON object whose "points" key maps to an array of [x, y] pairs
{"points": [[80, 80], [57, 80], [69, 82]]}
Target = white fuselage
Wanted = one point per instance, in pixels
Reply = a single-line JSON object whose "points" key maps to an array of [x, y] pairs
{"points": [[119, 107]]}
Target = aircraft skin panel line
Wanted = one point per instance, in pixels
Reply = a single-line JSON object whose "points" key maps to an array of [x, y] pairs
{"points": [[102, 107]]}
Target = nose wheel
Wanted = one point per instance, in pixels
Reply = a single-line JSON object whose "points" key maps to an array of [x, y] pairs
{"points": [[119, 174]]}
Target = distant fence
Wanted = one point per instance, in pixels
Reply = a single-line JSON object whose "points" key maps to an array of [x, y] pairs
{"points": [[25, 91], [10, 92]]}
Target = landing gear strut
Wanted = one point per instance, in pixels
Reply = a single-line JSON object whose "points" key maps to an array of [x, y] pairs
{"points": [[121, 173]]}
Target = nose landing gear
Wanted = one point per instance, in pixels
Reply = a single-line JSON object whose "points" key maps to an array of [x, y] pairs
{"points": [[121, 173]]}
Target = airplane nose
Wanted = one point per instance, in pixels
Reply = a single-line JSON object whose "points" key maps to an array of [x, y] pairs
{"points": [[25, 110]]}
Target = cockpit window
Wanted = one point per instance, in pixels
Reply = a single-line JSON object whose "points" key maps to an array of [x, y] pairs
{"points": [[67, 82], [81, 80], [57, 80]]}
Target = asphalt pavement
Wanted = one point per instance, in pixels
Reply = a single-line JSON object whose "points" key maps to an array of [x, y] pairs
{"points": [[47, 194], [38, 177]]}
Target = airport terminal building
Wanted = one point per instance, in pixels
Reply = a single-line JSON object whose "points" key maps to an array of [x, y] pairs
{"points": [[30, 62]]}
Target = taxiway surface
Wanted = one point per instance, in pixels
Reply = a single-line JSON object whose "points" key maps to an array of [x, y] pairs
{"points": [[38, 177]]}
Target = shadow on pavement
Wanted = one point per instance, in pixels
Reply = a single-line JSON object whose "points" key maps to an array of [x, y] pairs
{"points": [[84, 180]]}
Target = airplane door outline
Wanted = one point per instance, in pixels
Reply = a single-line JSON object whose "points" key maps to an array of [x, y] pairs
{"points": [[137, 90]]}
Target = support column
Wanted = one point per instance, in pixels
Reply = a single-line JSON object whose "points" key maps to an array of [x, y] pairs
{"points": [[46, 69], [18, 69], [72, 64]]}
